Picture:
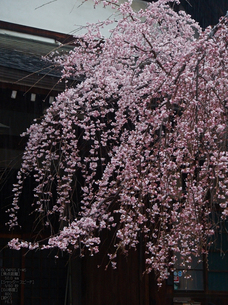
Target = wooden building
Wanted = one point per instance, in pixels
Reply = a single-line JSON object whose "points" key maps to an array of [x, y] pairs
{"points": [[27, 86]]}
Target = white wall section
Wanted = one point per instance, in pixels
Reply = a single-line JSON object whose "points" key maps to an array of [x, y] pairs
{"points": [[64, 16]]}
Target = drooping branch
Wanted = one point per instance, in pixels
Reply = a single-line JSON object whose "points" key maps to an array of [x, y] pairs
{"points": [[137, 147]]}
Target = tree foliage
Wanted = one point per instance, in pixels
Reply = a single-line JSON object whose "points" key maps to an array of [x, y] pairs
{"points": [[139, 145]]}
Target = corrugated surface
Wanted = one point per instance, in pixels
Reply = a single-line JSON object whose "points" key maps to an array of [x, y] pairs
{"points": [[37, 80], [21, 62]]}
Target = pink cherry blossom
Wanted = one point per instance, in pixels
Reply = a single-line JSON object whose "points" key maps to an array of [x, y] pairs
{"points": [[139, 145]]}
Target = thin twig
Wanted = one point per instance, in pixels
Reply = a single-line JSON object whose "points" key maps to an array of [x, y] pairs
{"points": [[45, 4]]}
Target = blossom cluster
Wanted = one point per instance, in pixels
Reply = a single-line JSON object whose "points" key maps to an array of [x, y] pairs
{"points": [[139, 146]]}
